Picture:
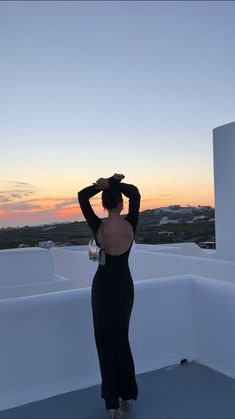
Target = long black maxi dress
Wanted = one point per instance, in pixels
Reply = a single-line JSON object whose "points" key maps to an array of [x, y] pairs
{"points": [[112, 297]]}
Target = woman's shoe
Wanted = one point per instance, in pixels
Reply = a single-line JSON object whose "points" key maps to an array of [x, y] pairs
{"points": [[116, 413]]}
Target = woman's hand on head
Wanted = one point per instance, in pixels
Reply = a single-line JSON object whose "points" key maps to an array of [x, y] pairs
{"points": [[101, 183], [118, 176]]}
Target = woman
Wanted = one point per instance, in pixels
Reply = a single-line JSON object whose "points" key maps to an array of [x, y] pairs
{"points": [[112, 291]]}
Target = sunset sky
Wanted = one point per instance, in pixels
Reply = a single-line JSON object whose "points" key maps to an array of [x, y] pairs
{"points": [[93, 88]]}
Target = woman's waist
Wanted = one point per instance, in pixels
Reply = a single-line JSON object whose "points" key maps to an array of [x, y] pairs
{"points": [[114, 266]]}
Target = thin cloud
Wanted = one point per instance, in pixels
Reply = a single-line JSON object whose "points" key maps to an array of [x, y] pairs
{"points": [[66, 203], [17, 190], [17, 203], [16, 195], [40, 207], [18, 183], [4, 199]]}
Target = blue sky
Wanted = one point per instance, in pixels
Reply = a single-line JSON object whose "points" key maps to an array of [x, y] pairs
{"points": [[135, 87]]}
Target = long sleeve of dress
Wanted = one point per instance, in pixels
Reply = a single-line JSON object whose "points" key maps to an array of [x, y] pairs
{"points": [[83, 198], [131, 192]]}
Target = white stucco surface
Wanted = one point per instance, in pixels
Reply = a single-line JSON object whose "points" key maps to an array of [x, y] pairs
{"points": [[29, 271], [47, 341], [143, 264], [224, 191], [186, 249]]}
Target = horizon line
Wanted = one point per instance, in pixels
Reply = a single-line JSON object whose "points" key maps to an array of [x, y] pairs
{"points": [[80, 221]]}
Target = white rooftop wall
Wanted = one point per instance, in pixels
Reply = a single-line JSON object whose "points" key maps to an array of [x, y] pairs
{"points": [[143, 265], [224, 178], [48, 346], [29, 271]]}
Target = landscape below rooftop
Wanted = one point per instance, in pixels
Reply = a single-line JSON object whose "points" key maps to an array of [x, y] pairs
{"points": [[157, 226]]}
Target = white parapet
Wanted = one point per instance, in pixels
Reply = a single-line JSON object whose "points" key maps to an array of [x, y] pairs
{"points": [[48, 345], [224, 177], [30, 271]]}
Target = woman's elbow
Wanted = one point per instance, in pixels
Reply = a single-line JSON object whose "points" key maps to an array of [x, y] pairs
{"points": [[79, 194], [137, 191], [138, 195]]}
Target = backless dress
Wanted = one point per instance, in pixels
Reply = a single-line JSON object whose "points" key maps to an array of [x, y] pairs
{"points": [[112, 298]]}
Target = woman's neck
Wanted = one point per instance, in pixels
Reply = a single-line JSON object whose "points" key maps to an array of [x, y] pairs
{"points": [[113, 216]]}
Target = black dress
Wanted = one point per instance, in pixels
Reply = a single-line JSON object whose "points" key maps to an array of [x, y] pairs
{"points": [[112, 297]]}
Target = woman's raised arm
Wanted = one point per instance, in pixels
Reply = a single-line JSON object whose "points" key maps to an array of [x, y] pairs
{"points": [[83, 198], [131, 192]]}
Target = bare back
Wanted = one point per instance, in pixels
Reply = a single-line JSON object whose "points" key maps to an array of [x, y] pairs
{"points": [[116, 236]]}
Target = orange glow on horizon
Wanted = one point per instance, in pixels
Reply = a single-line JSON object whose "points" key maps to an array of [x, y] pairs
{"points": [[53, 209], [67, 212]]}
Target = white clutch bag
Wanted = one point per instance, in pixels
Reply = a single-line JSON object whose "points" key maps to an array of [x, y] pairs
{"points": [[96, 253]]}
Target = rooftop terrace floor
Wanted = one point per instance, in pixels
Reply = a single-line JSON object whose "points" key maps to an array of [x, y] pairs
{"points": [[188, 390]]}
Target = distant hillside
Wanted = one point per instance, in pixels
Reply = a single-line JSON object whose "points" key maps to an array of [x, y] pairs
{"points": [[161, 225]]}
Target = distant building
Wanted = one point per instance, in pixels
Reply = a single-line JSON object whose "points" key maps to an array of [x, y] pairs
{"points": [[177, 209], [46, 244], [207, 245], [199, 217], [168, 233], [165, 220]]}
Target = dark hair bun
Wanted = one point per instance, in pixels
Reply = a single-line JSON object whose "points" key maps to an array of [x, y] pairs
{"points": [[111, 199]]}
